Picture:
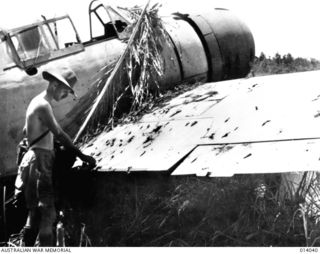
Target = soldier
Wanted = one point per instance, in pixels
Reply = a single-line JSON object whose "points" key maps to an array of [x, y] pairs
{"points": [[38, 162]]}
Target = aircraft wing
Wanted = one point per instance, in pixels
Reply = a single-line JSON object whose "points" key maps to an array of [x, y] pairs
{"points": [[267, 124]]}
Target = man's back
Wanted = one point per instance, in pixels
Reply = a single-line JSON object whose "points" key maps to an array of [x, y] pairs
{"points": [[35, 126]]}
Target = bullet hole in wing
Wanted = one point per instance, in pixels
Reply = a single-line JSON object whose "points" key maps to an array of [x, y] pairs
{"points": [[142, 153], [157, 129], [130, 139], [211, 136], [268, 121], [148, 139], [247, 156], [177, 112], [194, 123], [317, 115], [316, 98], [226, 135], [110, 142], [211, 93]]}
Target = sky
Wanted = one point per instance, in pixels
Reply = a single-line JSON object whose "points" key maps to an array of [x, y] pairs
{"points": [[278, 26]]}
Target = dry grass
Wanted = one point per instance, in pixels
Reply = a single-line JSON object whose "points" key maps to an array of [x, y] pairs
{"points": [[137, 79], [153, 210], [114, 209]]}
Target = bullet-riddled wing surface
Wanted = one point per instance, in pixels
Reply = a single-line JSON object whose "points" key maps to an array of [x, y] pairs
{"points": [[257, 125]]}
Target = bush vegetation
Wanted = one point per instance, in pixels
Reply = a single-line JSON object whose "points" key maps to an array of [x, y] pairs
{"points": [[283, 64]]}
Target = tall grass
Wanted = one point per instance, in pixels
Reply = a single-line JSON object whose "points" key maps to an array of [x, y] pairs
{"points": [[131, 210]]}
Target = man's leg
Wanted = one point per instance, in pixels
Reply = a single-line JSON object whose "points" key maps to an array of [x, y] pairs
{"points": [[48, 216], [46, 196], [31, 228]]}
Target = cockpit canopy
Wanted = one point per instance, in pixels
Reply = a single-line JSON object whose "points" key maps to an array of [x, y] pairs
{"points": [[107, 22], [30, 46]]}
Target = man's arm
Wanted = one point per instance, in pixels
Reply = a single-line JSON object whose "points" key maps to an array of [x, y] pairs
{"points": [[47, 117]]}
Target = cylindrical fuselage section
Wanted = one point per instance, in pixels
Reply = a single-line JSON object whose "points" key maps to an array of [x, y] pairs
{"points": [[224, 40], [232, 50]]}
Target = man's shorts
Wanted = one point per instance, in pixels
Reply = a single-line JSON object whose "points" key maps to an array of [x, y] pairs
{"points": [[36, 174]]}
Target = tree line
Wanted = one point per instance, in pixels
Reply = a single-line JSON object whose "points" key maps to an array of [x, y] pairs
{"points": [[278, 64]]}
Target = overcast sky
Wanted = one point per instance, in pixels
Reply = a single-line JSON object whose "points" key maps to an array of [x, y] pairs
{"points": [[281, 26]]}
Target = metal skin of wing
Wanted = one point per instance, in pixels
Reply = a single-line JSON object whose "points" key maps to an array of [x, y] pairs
{"points": [[261, 125], [211, 47]]}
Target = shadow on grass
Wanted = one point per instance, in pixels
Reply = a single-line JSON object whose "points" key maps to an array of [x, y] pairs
{"points": [[157, 210]]}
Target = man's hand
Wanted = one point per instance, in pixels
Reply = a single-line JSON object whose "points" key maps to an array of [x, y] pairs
{"points": [[89, 160]]}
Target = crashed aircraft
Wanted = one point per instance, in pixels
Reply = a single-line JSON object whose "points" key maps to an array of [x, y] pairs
{"points": [[254, 125], [211, 46]]}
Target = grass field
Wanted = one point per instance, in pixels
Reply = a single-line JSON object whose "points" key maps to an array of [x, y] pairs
{"points": [[158, 210]]}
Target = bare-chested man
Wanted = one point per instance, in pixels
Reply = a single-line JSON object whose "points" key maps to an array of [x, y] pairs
{"points": [[39, 159]]}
